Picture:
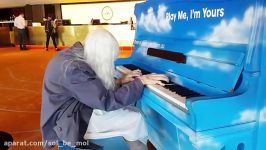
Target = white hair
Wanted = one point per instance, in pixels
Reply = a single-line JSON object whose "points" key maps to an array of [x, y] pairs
{"points": [[100, 51]]}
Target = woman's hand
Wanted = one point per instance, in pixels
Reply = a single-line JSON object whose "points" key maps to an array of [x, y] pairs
{"points": [[129, 77], [151, 79]]}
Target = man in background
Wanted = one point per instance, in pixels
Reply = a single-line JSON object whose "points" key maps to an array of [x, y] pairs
{"points": [[20, 24], [50, 30]]}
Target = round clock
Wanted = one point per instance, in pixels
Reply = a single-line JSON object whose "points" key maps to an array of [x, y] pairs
{"points": [[107, 13]]}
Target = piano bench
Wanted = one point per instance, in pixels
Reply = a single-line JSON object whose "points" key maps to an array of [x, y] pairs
{"points": [[114, 143]]}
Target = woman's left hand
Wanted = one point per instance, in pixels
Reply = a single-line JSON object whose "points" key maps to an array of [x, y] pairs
{"points": [[129, 77]]}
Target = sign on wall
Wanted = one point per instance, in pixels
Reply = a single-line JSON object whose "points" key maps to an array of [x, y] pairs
{"points": [[107, 12]]}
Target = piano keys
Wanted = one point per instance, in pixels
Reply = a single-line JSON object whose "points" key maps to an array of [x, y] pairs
{"points": [[172, 92]]}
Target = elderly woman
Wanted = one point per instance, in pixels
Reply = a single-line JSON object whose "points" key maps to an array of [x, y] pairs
{"points": [[81, 99]]}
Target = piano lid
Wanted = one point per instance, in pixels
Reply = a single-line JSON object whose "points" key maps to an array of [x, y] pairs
{"points": [[213, 37]]}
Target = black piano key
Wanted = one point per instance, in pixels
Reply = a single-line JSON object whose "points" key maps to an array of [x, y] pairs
{"points": [[177, 89], [183, 91]]}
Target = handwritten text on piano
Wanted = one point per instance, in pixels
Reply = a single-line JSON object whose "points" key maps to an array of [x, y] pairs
{"points": [[195, 14]]}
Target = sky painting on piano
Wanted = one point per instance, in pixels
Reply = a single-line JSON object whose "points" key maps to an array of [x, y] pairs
{"points": [[219, 24], [245, 116], [232, 25], [215, 45], [250, 115], [229, 28], [216, 26]]}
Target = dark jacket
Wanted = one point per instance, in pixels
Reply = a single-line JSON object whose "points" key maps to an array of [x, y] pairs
{"points": [[48, 25], [71, 90]]}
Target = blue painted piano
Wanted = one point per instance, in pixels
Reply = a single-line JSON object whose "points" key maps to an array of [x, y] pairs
{"points": [[214, 52]]}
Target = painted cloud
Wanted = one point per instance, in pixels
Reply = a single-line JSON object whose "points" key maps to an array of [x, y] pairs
{"points": [[263, 115], [246, 116], [249, 115], [235, 30], [209, 143], [155, 24], [196, 61]]}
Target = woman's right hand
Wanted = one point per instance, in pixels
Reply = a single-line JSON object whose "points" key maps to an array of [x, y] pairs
{"points": [[151, 79]]}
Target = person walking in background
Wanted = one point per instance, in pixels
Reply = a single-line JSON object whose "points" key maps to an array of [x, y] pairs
{"points": [[20, 24], [50, 30]]}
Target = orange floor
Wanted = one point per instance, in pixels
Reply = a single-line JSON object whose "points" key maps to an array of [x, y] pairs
{"points": [[21, 74]]}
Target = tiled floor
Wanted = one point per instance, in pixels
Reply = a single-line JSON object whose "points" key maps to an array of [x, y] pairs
{"points": [[21, 74]]}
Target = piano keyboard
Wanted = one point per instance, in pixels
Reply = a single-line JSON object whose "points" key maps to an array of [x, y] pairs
{"points": [[173, 93]]}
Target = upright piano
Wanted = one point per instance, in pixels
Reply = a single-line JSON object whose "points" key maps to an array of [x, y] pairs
{"points": [[214, 53]]}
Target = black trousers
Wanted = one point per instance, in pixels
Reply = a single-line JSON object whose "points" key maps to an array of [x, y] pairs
{"points": [[22, 37], [52, 35]]}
